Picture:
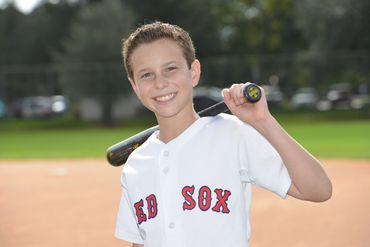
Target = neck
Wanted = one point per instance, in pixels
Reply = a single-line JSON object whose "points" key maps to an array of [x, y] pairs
{"points": [[170, 128]]}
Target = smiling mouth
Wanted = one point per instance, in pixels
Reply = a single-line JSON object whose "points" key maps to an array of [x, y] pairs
{"points": [[165, 98]]}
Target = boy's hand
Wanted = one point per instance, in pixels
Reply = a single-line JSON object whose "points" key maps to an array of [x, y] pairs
{"points": [[251, 113], [309, 180]]}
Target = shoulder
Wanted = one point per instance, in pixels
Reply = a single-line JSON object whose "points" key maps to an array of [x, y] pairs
{"points": [[226, 127], [232, 127], [230, 121], [144, 153], [225, 119]]}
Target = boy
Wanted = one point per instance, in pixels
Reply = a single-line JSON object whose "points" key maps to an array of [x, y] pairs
{"points": [[189, 184]]}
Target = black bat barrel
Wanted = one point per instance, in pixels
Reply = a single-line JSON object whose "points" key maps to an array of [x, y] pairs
{"points": [[118, 154]]}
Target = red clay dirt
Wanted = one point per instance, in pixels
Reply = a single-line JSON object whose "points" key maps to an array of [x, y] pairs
{"points": [[74, 203]]}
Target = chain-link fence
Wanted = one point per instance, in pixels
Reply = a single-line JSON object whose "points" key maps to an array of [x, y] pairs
{"points": [[101, 90]]}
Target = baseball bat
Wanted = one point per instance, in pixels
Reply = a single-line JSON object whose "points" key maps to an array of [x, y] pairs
{"points": [[118, 153]]}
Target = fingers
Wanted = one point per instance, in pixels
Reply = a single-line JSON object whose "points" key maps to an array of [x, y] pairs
{"points": [[235, 94], [226, 94]]}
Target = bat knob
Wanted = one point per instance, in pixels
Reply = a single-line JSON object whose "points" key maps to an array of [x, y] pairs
{"points": [[252, 93]]}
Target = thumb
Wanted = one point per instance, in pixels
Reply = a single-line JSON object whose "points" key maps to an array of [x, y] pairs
{"points": [[226, 94], [227, 98]]}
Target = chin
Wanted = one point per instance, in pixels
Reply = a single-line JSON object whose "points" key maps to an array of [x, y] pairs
{"points": [[171, 111], [166, 115]]}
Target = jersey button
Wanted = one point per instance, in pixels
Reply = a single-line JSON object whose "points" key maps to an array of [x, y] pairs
{"points": [[166, 153], [172, 225], [165, 170]]}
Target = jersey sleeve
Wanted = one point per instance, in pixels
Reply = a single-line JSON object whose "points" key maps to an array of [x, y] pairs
{"points": [[126, 226], [261, 163]]}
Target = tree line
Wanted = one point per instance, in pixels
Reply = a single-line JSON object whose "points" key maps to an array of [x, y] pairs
{"points": [[73, 47]]}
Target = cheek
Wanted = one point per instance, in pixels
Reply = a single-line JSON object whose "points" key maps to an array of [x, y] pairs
{"points": [[143, 91], [183, 77]]}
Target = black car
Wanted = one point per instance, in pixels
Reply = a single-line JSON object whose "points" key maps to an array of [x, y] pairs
{"points": [[204, 97]]}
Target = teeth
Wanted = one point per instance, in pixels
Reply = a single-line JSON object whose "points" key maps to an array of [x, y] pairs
{"points": [[165, 97]]}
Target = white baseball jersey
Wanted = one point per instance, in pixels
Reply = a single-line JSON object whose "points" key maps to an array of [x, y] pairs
{"points": [[196, 189]]}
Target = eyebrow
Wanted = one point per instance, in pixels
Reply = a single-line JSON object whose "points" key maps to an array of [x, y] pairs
{"points": [[164, 65], [168, 63]]}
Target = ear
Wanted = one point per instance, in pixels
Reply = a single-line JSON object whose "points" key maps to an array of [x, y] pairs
{"points": [[195, 72]]}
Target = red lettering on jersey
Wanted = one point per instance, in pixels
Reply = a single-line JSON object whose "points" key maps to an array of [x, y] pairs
{"points": [[189, 202], [152, 206], [204, 199], [139, 211], [222, 199]]}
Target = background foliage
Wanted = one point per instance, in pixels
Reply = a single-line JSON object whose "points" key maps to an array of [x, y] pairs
{"points": [[73, 47]]}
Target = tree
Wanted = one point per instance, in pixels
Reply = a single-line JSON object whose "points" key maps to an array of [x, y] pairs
{"points": [[260, 37], [90, 64], [338, 40], [196, 17], [26, 44], [258, 26], [10, 19]]}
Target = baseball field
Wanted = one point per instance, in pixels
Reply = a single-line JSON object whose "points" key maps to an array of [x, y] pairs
{"points": [[56, 188]]}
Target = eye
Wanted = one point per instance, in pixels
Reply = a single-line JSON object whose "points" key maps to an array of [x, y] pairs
{"points": [[171, 68], [146, 75]]}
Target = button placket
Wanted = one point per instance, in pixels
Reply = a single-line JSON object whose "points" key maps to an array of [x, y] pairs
{"points": [[164, 162], [169, 188]]}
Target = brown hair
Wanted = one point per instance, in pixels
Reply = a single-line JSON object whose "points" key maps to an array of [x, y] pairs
{"points": [[155, 31]]}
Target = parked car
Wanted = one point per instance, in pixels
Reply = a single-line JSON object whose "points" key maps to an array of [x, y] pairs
{"points": [[305, 98], [204, 97], [339, 95], [360, 101], [43, 106], [59, 104], [274, 96], [343, 96]]}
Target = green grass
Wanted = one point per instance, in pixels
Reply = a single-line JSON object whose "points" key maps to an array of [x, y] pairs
{"points": [[349, 139], [325, 139], [77, 143]]}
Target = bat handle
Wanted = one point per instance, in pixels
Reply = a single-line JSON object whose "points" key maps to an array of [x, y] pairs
{"points": [[252, 93]]}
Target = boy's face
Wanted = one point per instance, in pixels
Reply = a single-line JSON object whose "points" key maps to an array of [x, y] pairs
{"points": [[161, 78]]}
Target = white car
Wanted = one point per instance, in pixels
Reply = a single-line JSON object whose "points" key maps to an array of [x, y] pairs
{"points": [[305, 98], [43, 106]]}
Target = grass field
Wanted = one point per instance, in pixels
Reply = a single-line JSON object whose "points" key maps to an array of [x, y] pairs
{"points": [[334, 139], [77, 143], [325, 139]]}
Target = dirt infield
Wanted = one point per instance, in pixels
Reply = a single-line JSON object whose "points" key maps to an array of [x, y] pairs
{"points": [[74, 203]]}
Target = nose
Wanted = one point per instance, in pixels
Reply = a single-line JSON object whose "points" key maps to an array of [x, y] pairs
{"points": [[161, 82]]}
